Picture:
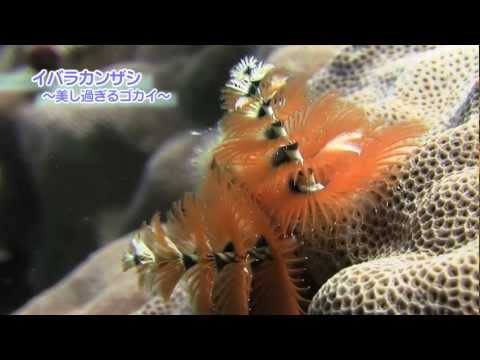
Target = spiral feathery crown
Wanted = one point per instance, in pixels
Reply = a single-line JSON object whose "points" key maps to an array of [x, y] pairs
{"points": [[285, 165]]}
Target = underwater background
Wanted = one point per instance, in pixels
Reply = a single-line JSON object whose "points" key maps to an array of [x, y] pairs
{"points": [[74, 177], [77, 179]]}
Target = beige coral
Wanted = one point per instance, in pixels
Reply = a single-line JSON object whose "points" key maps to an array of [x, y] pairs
{"points": [[428, 265], [304, 58], [418, 251], [98, 286]]}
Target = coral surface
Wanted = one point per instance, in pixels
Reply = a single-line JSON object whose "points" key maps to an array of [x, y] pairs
{"points": [[418, 252]]}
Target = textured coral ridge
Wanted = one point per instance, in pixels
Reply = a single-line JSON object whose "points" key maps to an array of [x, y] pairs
{"points": [[417, 251], [285, 167]]}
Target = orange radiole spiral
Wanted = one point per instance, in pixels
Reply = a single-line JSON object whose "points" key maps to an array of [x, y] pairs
{"points": [[285, 165]]}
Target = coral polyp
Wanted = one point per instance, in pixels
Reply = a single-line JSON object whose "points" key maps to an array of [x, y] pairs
{"points": [[285, 165]]}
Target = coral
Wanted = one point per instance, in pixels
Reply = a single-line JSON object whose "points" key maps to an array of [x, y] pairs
{"points": [[420, 248], [417, 252], [392, 82], [179, 304], [303, 58], [267, 151], [96, 286]]}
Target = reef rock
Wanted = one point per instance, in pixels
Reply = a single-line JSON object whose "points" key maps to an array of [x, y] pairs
{"points": [[303, 58], [418, 252], [98, 286]]}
